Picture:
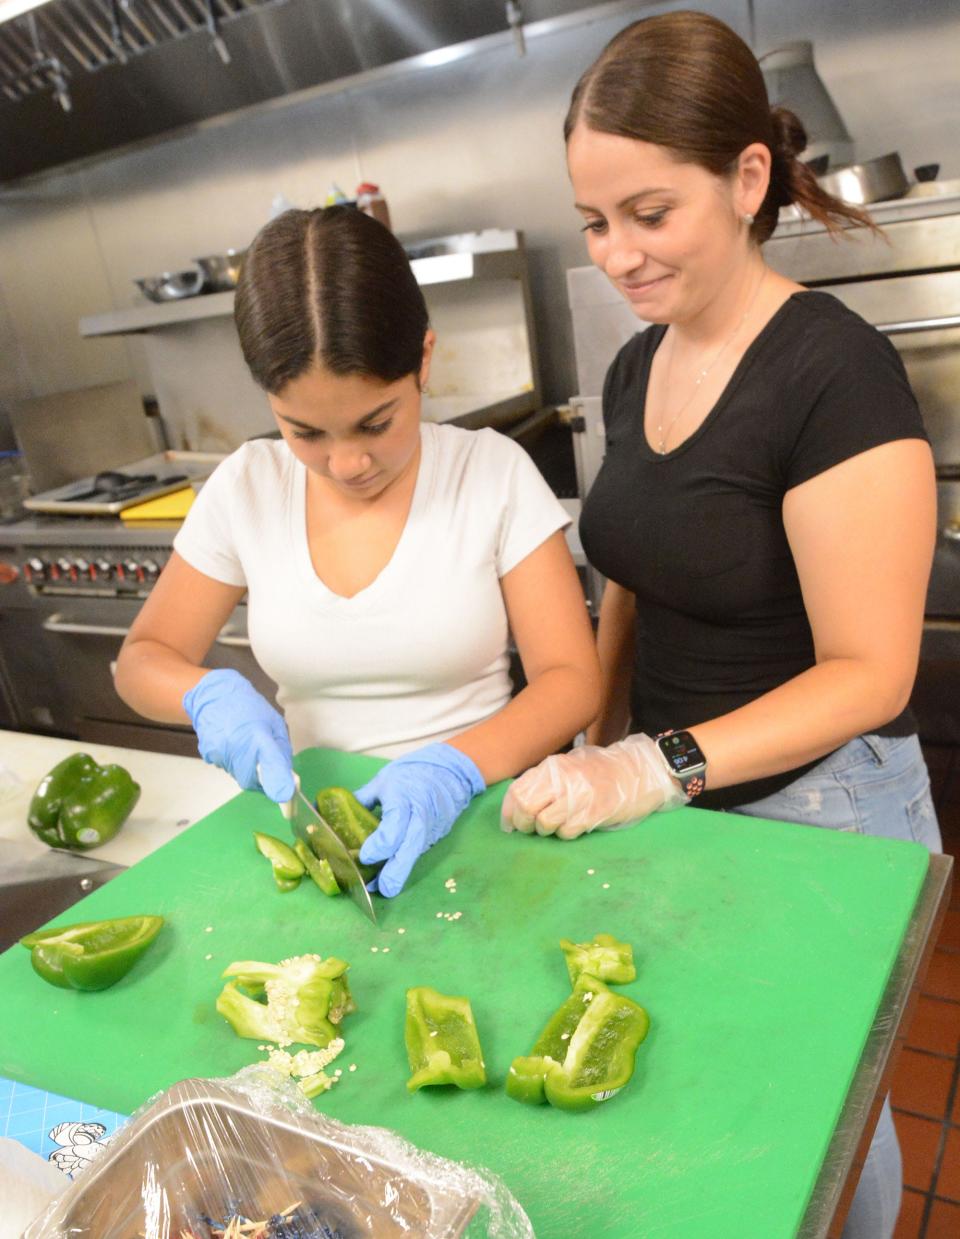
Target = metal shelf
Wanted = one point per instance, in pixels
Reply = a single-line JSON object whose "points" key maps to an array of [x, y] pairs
{"points": [[151, 317], [494, 254]]}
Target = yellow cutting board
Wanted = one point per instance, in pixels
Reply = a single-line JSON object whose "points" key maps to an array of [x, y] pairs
{"points": [[172, 507]]}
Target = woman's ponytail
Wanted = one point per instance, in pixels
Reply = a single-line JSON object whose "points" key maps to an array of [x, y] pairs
{"points": [[793, 183]]}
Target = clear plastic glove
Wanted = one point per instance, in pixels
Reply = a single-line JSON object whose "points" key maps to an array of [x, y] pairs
{"points": [[240, 731], [421, 794], [591, 788]]}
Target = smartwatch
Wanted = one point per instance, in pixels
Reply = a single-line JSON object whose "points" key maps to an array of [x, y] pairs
{"points": [[685, 760]]}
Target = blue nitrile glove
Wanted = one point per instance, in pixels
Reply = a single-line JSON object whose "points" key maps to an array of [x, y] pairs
{"points": [[421, 794], [239, 730]]}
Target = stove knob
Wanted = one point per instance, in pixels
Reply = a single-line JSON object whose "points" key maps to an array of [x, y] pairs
{"points": [[151, 570], [67, 569], [35, 569], [84, 569], [101, 569], [132, 570]]}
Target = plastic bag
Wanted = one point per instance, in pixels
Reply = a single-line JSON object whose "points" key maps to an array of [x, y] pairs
{"points": [[27, 1185], [252, 1148]]}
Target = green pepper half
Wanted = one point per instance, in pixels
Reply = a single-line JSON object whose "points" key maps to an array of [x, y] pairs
{"points": [[91, 955], [442, 1041], [351, 822], [341, 810], [586, 1053], [81, 804]]}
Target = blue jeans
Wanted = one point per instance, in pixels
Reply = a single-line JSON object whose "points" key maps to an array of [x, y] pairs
{"points": [[875, 785]]}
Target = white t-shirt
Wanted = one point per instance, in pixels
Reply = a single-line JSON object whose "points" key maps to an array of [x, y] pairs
{"points": [[421, 653]]}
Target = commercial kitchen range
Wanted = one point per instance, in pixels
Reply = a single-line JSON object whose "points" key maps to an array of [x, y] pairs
{"points": [[69, 591]]}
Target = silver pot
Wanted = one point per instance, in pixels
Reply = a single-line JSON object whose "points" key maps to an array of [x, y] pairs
{"points": [[863, 183], [221, 271], [171, 285]]}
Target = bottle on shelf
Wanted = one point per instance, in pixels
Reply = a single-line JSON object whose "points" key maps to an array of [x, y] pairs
{"points": [[372, 202]]}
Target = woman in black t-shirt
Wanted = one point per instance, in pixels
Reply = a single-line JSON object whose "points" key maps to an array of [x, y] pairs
{"points": [[765, 513]]}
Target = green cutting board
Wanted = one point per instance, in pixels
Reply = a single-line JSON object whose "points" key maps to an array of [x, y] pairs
{"points": [[762, 951]]}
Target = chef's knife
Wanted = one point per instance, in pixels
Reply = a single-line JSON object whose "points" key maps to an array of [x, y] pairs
{"points": [[323, 841]]}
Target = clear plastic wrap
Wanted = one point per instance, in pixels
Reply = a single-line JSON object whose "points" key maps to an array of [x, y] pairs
{"points": [[252, 1148]]}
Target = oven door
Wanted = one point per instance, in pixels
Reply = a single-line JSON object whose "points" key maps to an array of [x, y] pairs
{"points": [[85, 635], [937, 690], [921, 316]]}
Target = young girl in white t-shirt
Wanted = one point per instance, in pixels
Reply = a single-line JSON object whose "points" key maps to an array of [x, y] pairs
{"points": [[384, 561]]}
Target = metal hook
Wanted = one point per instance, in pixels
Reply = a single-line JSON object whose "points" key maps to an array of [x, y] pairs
{"points": [[515, 22], [49, 67], [116, 34], [214, 27]]}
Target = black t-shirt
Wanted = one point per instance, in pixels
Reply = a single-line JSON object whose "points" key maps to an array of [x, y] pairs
{"points": [[698, 536]]}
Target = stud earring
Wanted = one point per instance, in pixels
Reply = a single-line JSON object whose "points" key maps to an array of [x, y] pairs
{"points": [[747, 218]]}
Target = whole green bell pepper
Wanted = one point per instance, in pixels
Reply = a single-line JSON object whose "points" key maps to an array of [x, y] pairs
{"points": [[81, 804], [443, 1046], [586, 1053], [92, 955]]}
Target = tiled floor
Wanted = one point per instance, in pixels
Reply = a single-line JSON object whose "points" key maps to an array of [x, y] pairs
{"points": [[926, 1086]]}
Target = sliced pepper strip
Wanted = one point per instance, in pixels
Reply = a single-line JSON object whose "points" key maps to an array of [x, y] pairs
{"points": [[318, 869], [287, 867], [585, 1055], [605, 957], [91, 955], [442, 1041]]}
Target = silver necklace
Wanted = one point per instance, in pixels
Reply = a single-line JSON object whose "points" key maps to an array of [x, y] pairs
{"points": [[702, 374]]}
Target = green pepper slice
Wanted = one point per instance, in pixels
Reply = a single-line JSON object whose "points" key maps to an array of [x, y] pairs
{"points": [[443, 1045], [586, 1053], [318, 869], [288, 869], [91, 955], [80, 804], [604, 957]]}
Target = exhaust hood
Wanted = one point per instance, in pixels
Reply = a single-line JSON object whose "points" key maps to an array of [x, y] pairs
{"points": [[80, 77]]}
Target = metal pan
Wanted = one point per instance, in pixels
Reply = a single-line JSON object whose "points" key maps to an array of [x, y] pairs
{"points": [[863, 183]]}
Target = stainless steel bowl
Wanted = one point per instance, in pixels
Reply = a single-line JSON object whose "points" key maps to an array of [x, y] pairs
{"points": [[221, 271], [876, 180], [171, 285]]}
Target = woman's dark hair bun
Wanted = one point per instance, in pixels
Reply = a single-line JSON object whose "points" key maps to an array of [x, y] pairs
{"points": [[789, 135]]}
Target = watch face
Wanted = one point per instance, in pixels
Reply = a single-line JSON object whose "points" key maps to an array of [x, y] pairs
{"points": [[682, 752]]}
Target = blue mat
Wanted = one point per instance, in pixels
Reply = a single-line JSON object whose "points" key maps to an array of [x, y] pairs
{"points": [[64, 1132]]}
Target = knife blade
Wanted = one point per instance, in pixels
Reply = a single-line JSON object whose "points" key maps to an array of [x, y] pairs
{"points": [[323, 841]]}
